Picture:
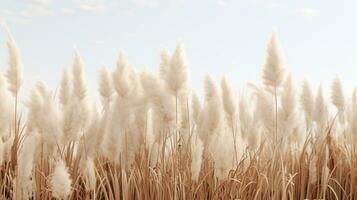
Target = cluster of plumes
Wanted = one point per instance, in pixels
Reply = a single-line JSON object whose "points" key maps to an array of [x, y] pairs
{"points": [[140, 111]]}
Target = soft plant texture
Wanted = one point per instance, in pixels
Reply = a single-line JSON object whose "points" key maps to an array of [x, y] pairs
{"points": [[151, 136]]}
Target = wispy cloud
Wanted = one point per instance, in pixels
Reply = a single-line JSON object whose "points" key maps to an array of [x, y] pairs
{"points": [[7, 16], [145, 2], [308, 12], [221, 2], [93, 7], [67, 11], [40, 2], [25, 16], [37, 12]]}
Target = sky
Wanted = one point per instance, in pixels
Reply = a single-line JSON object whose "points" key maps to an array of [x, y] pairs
{"points": [[221, 37]]}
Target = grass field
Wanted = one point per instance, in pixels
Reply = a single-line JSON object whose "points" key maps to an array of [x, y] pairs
{"points": [[152, 137]]}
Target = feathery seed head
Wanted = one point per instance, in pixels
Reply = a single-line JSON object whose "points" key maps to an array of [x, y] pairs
{"points": [[79, 82], [177, 74], [274, 67], [337, 96], [60, 182], [229, 99], [14, 73], [105, 84], [165, 62], [66, 88]]}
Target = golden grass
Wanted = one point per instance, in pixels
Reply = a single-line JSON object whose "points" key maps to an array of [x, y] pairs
{"points": [[267, 173]]}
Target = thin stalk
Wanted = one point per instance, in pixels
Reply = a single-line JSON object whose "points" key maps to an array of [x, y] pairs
{"points": [[188, 119], [235, 157], [176, 120], [276, 113]]}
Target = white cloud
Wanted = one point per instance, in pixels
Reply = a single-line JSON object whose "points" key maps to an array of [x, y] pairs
{"points": [[67, 11], [41, 2], [146, 2], [92, 7], [37, 12], [8, 16], [308, 12], [221, 2], [33, 11]]}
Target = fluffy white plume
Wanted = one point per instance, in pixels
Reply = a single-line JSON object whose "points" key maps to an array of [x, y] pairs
{"points": [[211, 90], [248, 128], [211, 116], [72, 121], [229, 101], [6, 107], [34, 110], [196, 107], [274, 67], [353, 118], [308, 103], [66, 88], [165, 62], [79, 82], [80, 91], [122, 138], [25, 166], [320, 115], [265, 111], [222, 153], [60, 182], [163, 105], [90, 140], [177, 74], [14, 73], [289, 114], [122, 76], [337, 96], [49, 128], [105, 85], [196, 157]]}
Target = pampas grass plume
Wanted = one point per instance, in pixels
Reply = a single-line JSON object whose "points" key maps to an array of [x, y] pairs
{"points": [[79, 82], [105, 85], [65, 89], [196, 107], [229, 100], [164, 63], [337, 96], [196, 157], [60, 182], [14, 73], [274, 66], [320, 114], [177, 74], [308, 102]]}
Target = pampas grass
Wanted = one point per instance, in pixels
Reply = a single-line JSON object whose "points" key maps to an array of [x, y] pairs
{"points": [[307, 103], [65, 89], [151, 136], [14, 73], [60, 183], [106, 89]]}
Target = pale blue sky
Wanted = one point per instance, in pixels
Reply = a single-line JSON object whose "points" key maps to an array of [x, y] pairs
{"points": [[319, 37]]}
